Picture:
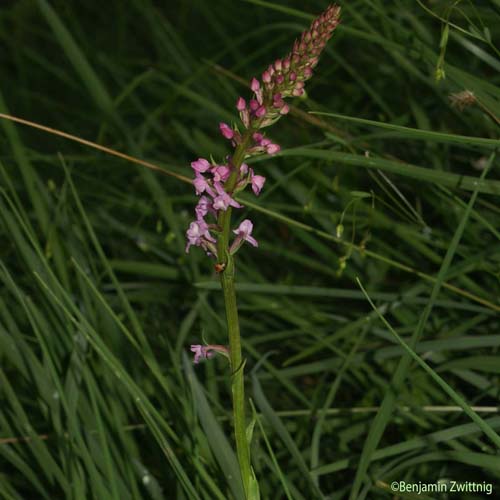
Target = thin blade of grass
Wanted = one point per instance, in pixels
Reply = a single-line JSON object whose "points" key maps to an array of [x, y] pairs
{"points": [[281, 430], [386, 408]]}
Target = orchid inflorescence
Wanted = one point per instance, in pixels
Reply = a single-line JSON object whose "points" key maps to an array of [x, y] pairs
{"points": [[218, 184], [215, 184]]}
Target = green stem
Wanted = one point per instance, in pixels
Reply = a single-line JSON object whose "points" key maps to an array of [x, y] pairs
{"points": [[233, 326], [237, 369]]}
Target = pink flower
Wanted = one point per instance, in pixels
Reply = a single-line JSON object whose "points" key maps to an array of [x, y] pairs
{"points": [[272, 149], [200, 165], [203, 208], [208, 351], [201, 185], [258, 183], [244, 232], [201, 352], [226, 130], [241, 104], [220, 173], [223, 201], [198, 234]]}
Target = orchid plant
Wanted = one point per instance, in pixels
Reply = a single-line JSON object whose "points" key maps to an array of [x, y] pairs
{"points": [[217, 184]]}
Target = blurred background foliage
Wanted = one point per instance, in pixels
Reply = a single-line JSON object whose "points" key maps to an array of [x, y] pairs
{"points": [[99, 302]]}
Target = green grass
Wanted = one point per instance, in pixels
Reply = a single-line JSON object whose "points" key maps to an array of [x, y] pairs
{"points": [[351, 387]]}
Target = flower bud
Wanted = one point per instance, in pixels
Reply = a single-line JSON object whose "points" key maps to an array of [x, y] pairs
{"points": [[272, 149], [226, 130], [284, 109], [260, 112], [241, 104]]}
